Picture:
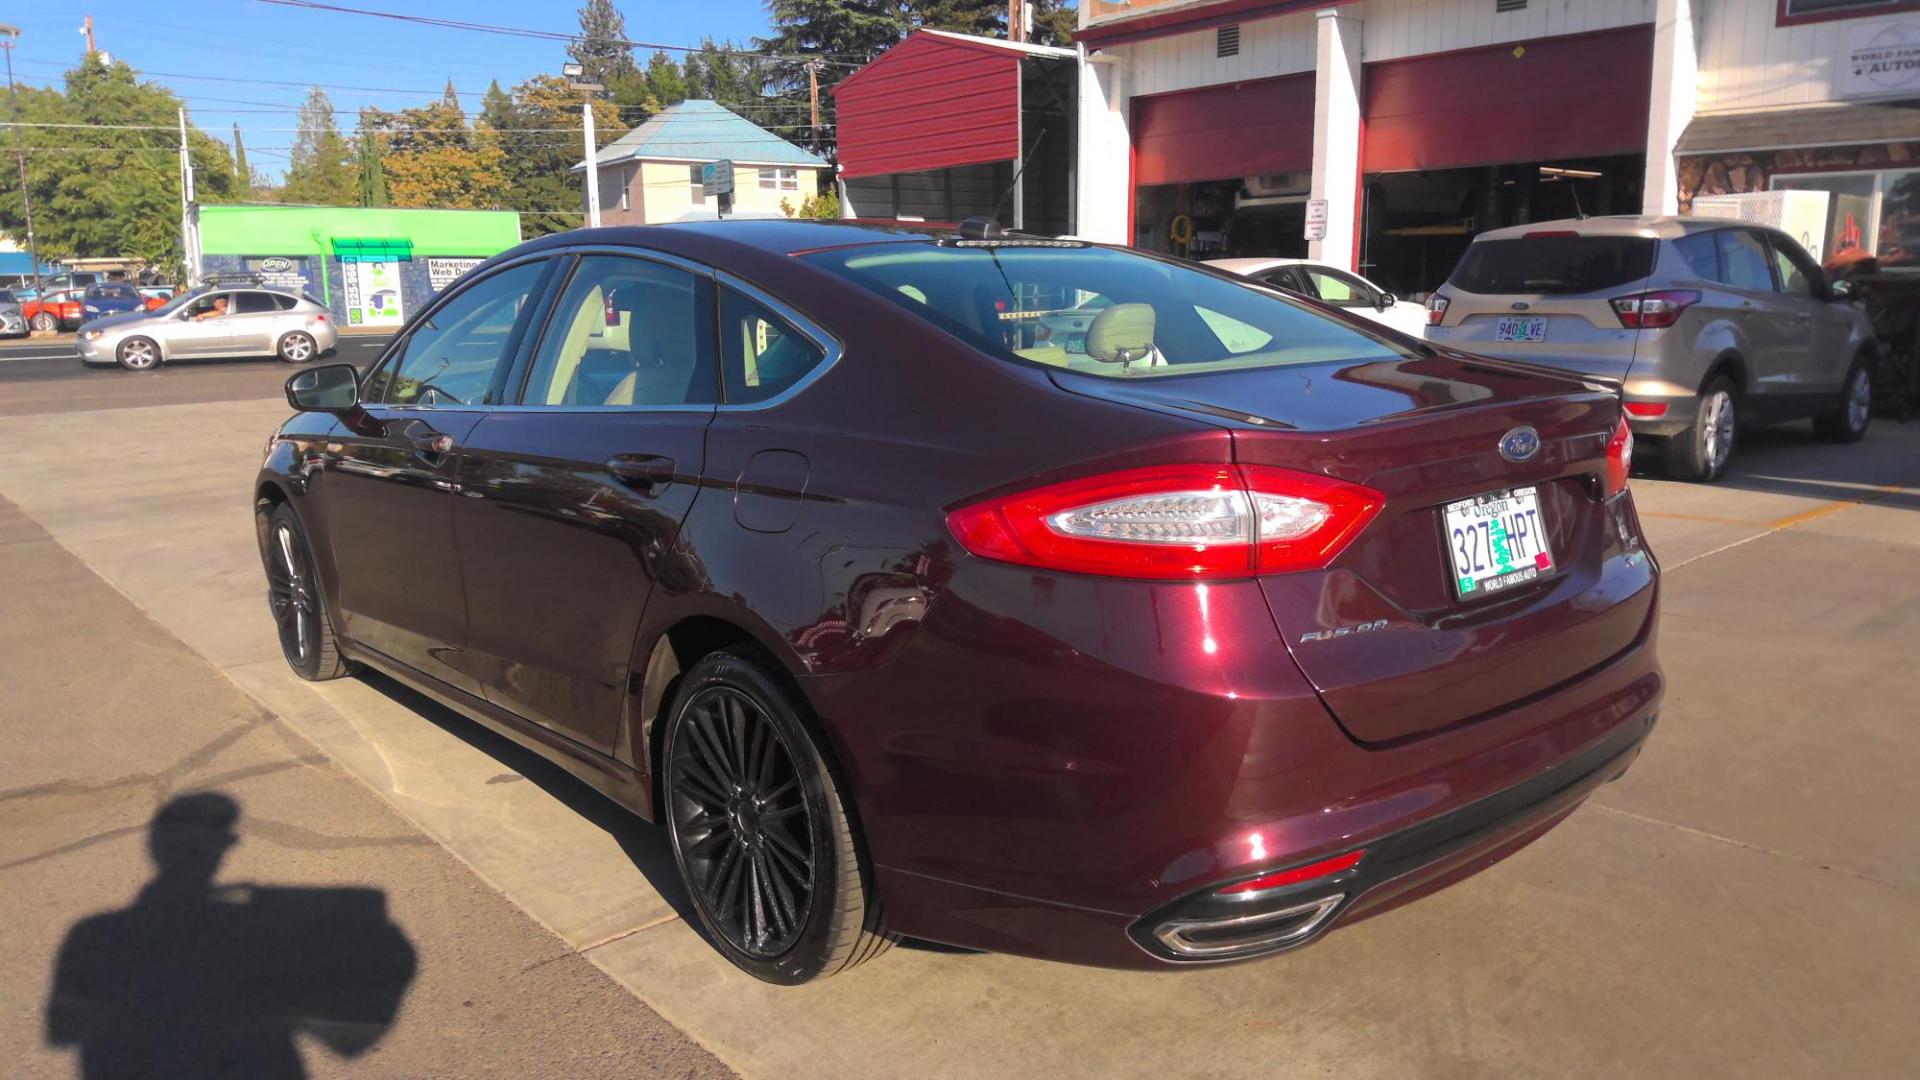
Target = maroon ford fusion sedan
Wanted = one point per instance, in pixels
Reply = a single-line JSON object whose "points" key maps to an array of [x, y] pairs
{"points": [[1019, 594]]}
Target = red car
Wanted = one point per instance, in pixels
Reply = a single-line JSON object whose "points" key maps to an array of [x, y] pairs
{"points": [[1016, 593], [54, 311]]}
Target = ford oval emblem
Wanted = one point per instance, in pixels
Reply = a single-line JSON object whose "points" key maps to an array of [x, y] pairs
{"points": [[1521, 305], [1520, 444]]}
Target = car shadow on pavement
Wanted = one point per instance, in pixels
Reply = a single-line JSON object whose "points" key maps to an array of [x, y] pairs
{"points": [[645, 844], [199, 979]]}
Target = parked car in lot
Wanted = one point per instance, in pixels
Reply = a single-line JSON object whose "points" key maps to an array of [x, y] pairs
{"points": [[13, 321], [1332, 285], [809, 542], [1709, 324], [53, 311], [212, 323], [110, 298]]}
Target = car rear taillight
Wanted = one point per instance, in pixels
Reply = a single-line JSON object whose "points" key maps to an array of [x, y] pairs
{"points": [[1654, 310], [1436, 308], [1282, 878], [1619, 458], [1647, 410], [1172, 523]]}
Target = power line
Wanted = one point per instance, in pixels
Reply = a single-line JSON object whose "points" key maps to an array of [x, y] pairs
{"points": [[555, 35]]}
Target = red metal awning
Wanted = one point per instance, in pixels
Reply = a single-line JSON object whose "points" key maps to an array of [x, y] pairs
{"points": [[934, 101], [1582, 95], [1224, 132]]}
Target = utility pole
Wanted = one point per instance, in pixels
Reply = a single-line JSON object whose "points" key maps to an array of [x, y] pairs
{"points": [[88, 30], [1015, 31], [12, 34], [574, 73], [189, 241], [813, 97]]}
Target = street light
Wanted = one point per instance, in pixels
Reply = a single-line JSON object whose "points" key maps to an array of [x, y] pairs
{"points": [[9, 35], [574, 74]]}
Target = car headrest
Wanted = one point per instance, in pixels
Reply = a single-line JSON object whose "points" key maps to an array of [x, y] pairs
{"points": [[1122, 333]]}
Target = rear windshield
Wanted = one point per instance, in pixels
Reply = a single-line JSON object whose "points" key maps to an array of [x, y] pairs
{"points": [[1555, 264], [1100, 311]]}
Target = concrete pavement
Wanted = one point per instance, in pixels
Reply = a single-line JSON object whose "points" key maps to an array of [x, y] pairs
{"points": [[1743, 903]]}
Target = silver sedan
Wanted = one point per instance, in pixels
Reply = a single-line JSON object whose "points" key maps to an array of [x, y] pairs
{"points": [[212, 323]]}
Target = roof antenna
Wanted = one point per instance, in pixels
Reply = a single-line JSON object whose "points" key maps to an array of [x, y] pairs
{"points": [[1015, 182]]}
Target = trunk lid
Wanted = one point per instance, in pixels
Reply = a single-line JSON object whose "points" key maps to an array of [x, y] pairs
{"points": [[1381, 634]]}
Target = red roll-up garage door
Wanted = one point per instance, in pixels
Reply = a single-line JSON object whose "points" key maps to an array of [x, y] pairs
{"points": [[1221, 132], [1580, 96]]}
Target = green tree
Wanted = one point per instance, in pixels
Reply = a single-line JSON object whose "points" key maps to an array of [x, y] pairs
{"points": [[538, 130], [723, 73], [242, 172], [602, 49], [666, 80], [373, 175], [432, 158], [323, 171], [102, 186], [1053, 22], [840, 31]]}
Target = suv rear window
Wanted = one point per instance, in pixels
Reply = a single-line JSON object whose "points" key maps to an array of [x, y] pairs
{"points": [[1099, 311], [1555, 264]]}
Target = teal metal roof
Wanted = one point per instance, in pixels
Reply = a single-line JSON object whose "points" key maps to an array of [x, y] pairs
{"points": [[699, 130]]}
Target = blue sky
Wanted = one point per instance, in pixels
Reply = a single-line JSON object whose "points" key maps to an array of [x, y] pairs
{"points": [[262, 43]]}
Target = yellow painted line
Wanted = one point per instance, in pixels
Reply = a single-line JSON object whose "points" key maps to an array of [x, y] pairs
{"points": [[1881, 492], [1702, 518]]}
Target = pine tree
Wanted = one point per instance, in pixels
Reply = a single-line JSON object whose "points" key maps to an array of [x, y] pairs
{"points": [[601, 50], [666, 82], [242, 172], [323, 163], [840, 31], [373, 176]]}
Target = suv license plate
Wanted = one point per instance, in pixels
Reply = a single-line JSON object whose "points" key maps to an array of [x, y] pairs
{"points": [[1496, 542], [1529, 329]]}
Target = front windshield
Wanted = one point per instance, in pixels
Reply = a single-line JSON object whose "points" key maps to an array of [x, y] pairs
{"points": [[1101, 311]]}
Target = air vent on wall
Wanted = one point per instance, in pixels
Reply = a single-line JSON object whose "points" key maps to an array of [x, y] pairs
{"points": [[1509, 5], [1226, 41]]}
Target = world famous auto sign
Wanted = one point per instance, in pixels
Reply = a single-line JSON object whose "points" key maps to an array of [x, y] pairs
{"points": [[1884, 60]]}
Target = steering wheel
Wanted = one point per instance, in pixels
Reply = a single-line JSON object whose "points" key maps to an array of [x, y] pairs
{"points": [[429, 388]]}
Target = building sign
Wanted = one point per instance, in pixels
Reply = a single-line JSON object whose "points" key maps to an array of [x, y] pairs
{"points": [[716, 178], [1316, 219], [444, 272], [372, 293], [280, 272], [1884, 60]]}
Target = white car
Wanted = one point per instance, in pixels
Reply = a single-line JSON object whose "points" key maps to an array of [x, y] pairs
{"points": [[1333, 286]]}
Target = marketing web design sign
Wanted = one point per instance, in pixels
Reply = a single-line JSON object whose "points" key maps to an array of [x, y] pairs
{"points": [[1884, 60], [372, 292]]}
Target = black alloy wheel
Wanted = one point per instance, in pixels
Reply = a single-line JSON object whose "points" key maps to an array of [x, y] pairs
{"points": [[293, 595], [759, 828]]}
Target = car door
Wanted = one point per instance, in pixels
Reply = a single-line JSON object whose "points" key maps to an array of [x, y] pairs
{"points": [[250, 323], [1821, 328], [190, 335], [390, 480], [1746, 263], [574, 495]]}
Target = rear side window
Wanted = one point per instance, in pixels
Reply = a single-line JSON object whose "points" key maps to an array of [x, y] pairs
{"points": [[760, 352], [253, 303], [1555, 264], [1702, 254], [629, 333], [1744, 260]]}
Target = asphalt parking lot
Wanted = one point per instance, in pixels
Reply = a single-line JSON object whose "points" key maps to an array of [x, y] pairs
{"points": [[1745, 902]]}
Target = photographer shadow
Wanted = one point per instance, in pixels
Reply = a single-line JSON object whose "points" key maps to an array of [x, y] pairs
{"points": [[198, 979]]}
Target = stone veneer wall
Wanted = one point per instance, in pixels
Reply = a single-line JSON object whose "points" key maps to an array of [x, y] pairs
{"points": [[1731, 174]]}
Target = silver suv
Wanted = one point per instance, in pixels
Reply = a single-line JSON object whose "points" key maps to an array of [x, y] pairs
{"points": [[1708, 324]]}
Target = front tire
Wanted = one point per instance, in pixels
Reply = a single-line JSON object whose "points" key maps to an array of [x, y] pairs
{"points": [[297, 347], [1702, 452], [298, 603], [46, 322], [761, 830], [138, 354], [1848, 421]]}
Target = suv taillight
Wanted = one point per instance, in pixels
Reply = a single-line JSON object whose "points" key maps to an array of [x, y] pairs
{"points": [[1172, 523], [1654, 310], [1619, 458], [1436, 308]]}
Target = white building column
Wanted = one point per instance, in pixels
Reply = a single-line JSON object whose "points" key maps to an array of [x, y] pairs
{"points": [[1676, 86], [1103, 173], [1336, 135]]}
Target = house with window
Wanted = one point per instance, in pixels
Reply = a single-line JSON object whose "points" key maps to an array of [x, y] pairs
{"points": [[651, 175]]}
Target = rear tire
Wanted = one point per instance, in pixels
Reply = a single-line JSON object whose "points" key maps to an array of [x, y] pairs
{"points": [[760, 829], [298, 602], [297, 347], [46, 322], [1848, 421], [1702, 452], [138, 354]]}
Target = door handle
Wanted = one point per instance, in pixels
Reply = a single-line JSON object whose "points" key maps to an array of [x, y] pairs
{"points": [[647, 471], [428, 441]]}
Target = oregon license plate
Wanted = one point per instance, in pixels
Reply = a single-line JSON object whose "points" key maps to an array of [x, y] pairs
{"points": [[1497, 542], [1528, 329]]}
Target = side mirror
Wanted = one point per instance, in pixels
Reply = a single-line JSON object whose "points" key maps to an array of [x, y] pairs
{"points": [[1843, 290], [1387, 300], [332, 388]]}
